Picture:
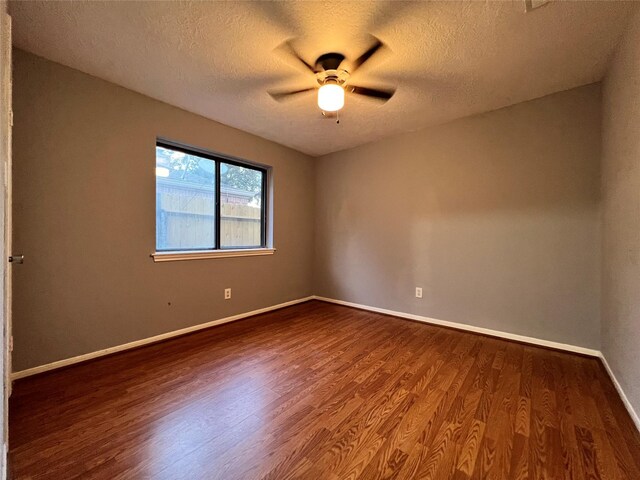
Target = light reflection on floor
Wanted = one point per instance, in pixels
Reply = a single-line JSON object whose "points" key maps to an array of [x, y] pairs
{"points": [[208, 411]]}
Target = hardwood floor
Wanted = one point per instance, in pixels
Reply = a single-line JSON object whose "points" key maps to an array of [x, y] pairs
{"points": [[320, 391]]}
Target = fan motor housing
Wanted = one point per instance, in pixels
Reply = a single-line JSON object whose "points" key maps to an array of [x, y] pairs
{"points": [[339, 77], [329, 61]]}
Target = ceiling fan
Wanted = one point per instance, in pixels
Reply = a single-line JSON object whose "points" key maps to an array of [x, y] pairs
{"points": [[333, 81]]}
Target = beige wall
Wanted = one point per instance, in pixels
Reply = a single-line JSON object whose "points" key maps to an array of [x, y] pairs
{"points": [[621, 215], [495, 216], [84, 209]]}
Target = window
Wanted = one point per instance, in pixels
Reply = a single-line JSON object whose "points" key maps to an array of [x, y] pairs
{"points": [[206, 202]]}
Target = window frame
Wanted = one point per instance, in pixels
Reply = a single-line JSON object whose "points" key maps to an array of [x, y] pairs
{"points": [[218, 250]]}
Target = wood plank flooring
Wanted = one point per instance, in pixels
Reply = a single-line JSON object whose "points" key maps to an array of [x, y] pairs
{"points": [[320, 391]]}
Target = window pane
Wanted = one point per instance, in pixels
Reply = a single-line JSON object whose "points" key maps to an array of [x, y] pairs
{"points": [[185, 201], [240, 206]]}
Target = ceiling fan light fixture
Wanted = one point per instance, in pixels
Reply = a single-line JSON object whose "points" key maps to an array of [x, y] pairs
{"points": [[330, 97]]}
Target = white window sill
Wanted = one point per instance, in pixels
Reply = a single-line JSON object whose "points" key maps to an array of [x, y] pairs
{"points": [[202, 254]]}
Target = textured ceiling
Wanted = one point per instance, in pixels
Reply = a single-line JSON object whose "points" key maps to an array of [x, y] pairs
{"points": [[217, 59]]}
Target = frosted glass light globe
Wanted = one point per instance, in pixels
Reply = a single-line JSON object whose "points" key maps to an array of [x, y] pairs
{"points": [[331, 97]]}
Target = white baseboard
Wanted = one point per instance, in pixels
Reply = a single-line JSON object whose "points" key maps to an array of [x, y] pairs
{"points": [[625, 400], [468, 328], [146, 341]]}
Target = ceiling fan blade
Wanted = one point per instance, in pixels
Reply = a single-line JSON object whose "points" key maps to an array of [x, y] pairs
{"points": [[286, 95], [287, 48], [380, 94], [357, 63]]}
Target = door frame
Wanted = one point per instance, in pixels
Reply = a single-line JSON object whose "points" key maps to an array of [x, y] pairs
{"points": [[6, 123]]}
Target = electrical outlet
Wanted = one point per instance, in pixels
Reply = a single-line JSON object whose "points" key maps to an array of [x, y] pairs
{"points": [[227, 293], [418, 292]]}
